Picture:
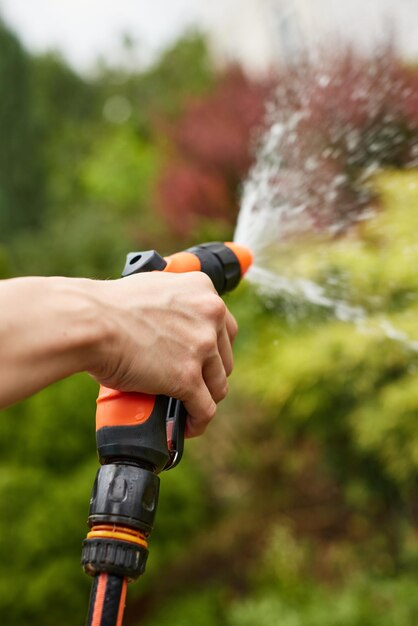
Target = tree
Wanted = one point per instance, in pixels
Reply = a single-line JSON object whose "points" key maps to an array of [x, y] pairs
{"points": [[211, 152], [22, 176]]}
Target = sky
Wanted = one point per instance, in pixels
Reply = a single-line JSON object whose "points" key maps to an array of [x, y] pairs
{"points": [[85, 29]]}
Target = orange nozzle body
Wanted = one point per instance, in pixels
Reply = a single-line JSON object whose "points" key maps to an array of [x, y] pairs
{"points": [[182, 262], [189, 262], [243, 254]]}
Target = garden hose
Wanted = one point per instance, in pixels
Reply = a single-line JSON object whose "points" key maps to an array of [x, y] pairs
{"points": [[138, 436], [107, 600]]}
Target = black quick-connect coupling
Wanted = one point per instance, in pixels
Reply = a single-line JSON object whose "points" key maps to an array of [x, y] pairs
{"points": [[124, 494], [122, 511]]}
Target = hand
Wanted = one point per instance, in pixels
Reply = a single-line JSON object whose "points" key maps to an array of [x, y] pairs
{"points": [[167, 334]]}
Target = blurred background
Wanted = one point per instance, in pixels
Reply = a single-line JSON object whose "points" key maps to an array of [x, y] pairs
{"points": [[135, 125]]}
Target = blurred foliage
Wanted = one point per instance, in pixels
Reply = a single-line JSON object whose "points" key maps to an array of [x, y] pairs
{"points": [[299, 506]]}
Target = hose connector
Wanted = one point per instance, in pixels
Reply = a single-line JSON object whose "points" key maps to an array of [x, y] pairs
{"points": [[122, 511]]}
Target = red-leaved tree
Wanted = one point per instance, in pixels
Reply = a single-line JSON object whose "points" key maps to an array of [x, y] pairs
{"points": [[211, 152]]}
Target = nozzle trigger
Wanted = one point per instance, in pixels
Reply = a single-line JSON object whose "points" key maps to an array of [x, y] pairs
{"points": [[176, 428]]}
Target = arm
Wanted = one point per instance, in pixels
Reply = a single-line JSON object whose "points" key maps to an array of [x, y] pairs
{"points": [[47, 327], [156, 333]]}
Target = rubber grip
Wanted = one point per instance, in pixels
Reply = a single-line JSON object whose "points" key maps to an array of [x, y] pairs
{"points": [[132, 426]]}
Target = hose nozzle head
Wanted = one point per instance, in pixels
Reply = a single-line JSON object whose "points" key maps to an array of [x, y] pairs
{"points": [[224, 263]]}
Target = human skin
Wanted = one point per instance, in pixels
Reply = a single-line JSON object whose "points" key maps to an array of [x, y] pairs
{"points": [[157, 333]]}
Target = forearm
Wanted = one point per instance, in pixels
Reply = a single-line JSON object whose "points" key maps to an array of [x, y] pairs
{"points": [[48, 327]]}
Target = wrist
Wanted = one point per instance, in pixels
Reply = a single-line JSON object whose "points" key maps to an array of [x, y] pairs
{"points": [[85, 329]]}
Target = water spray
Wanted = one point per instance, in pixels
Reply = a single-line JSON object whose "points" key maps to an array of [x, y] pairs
{"points": [[138, 436]]}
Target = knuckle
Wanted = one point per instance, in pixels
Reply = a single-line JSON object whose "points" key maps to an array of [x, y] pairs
{"points": [[223, 392], [213, 308], [197, 425], [189, 376], [229, 367], [234, 327], [218, 309], [195, 429], [208, 414], [203, 281], [207, 342]]}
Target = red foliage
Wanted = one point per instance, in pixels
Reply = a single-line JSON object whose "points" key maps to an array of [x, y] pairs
{"points": [[211, 153], [187, 192]]}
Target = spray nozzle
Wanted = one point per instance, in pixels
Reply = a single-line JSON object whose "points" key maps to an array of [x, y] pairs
{"points": [[224, 263]]}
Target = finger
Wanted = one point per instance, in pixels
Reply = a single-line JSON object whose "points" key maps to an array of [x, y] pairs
{"points": [[201, 409], [231, 326], [225, 351], [214, 376]]}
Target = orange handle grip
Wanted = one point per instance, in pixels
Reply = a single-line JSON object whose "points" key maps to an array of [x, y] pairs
{"points": [[120, 408]]}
